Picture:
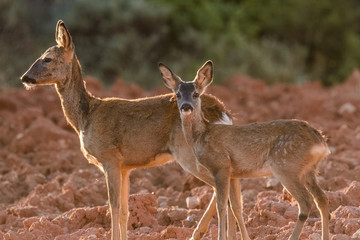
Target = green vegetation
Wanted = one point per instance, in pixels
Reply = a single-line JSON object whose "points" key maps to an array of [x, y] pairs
{"points": [[278, 41]]}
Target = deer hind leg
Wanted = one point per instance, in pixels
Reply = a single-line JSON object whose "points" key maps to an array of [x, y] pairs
{"points": [[222, 183], [297, 189], [321, 201], [236, 206]]}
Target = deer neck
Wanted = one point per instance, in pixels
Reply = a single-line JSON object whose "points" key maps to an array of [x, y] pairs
{"points": [[193, 127], [75, 100]]}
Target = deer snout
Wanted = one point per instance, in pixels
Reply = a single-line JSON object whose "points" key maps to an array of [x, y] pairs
{"points": [[186, 107], [26, 79]]}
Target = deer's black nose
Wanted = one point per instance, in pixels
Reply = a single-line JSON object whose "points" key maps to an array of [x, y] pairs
{"points": [[26, 79], [186, 107]]}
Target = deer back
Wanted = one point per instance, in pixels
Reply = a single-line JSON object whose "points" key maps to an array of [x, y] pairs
{"points": [[248, 148]]}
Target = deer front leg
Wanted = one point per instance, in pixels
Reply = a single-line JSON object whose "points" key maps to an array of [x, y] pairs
{"points": [[114, 182], [236, 206], [222, 183], [231, 224], [203, 225], [124, 198], [205, 220]]}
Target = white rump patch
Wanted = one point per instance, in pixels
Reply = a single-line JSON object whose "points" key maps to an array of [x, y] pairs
{"points": [[319, 150], [225, 119]]}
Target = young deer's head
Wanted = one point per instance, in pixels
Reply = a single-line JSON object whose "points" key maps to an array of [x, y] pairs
{"points": [[55, 64], [188, 93]]}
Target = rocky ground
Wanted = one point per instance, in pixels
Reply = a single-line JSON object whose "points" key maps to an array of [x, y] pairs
{"points": [[49, 191]]}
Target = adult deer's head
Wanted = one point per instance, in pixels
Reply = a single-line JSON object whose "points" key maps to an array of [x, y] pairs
{"points": [[55, 64]]}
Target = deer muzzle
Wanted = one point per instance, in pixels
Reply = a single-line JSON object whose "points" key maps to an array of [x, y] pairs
{"points": [[27, 80], [186, 108]]}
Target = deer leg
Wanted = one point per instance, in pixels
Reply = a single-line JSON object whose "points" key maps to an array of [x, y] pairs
{"points": [[231, 223], [113, 182], [297, 189], [222, 183], [205, 220], [124, 197], [321, 201], [236, 206], [203, 225]]}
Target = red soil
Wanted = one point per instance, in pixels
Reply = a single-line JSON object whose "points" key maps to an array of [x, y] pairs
{"points": [[49, 191]]}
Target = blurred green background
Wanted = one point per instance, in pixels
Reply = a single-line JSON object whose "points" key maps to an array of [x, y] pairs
{"points": [[291, 41]]}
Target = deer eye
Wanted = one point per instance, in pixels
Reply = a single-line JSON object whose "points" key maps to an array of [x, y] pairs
{"points": [[196, 95], [178, 95], [47, 60]]}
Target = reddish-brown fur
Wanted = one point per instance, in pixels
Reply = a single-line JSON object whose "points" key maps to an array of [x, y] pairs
{"points": [[117, 134], [288, 149]]}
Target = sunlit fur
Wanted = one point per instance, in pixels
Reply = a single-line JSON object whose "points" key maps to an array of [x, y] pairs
{"points": [[118, 135], [288, 149]]}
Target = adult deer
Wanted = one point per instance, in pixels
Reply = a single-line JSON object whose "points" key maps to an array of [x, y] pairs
{"points": [[288, 149], [116, 134]]}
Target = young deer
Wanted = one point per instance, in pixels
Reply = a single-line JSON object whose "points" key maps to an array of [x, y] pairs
{"points": [[288, 149], [111, 129]]}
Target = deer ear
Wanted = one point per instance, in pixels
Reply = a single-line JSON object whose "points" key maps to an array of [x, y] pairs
{"points": [[204, 76], [63, 37], [170, 79]]}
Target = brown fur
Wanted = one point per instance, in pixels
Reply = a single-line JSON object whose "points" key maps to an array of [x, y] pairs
{"points": [[117, 134], [288, 149]]}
